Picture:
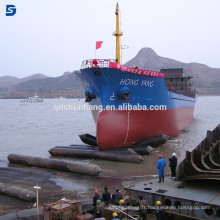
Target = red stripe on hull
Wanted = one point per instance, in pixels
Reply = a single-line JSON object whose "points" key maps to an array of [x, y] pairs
{"points": [[126, 128]]}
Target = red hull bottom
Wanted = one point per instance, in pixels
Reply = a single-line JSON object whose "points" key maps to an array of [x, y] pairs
{"points": [[125, 128]]}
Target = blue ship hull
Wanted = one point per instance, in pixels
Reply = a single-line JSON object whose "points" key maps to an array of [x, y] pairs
{"points": [[149, 109]]}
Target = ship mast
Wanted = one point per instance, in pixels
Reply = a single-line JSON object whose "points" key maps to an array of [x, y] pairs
{"points": [[117, 34]]}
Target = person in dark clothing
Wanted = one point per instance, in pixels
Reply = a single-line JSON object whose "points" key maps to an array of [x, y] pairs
{"points": [[143, 208], [106, 196], [118, 195], [173, 164], [95, 198], [159, 212], [113, 200]]}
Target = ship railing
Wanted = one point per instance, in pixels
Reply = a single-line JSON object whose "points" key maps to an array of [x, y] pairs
{"points": [[100, 63]]}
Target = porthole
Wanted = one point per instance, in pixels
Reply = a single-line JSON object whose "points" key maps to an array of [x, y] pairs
{"points": [[167, 202], [177, 204], [209, 211], [97, 73], [218, 213]]}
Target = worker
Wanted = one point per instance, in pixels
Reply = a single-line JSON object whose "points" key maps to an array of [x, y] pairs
{"points": [[106, 196], [122, 203], [95, 62], [95, 198], [173, 164], [99, 209], [127, 200], [160, 167], [113, 200], [143, 205], [159, 211], [115, 216], [118, 195]]}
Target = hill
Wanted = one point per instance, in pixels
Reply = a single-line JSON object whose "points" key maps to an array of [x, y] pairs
{"points": [[66, 85], [8, 81]]}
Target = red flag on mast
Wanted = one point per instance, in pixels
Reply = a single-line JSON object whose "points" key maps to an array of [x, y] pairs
{"points": [[98, 44]]}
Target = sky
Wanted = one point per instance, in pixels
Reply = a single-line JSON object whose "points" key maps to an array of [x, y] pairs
{"points": [[54, 36]]}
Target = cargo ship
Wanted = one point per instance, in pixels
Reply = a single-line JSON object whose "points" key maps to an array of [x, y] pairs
{"points": [[135, 104]]}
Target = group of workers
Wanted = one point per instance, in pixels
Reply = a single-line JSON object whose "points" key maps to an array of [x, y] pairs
{"points": [[161, 165], [95, 64], [100, 201], [117, 202]]}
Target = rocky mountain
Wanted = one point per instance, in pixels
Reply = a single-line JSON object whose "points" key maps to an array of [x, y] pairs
{"points": [[205, 78], [51, 83]]}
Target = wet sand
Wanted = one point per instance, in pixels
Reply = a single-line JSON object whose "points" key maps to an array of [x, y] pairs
{"points": [[55, 185], [28, 178], [61, 184]]}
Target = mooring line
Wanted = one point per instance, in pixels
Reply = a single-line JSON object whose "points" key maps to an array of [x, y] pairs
{"points": [[126, 138]]}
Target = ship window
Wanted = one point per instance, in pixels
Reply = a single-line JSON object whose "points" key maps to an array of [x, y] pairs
{"points": [[181, 79], [167, 202], [171, 80], [209, 211], [181, 88], [177, 204]]}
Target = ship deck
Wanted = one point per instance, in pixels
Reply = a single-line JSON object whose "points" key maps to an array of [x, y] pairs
{"points": [[195, 199]]}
